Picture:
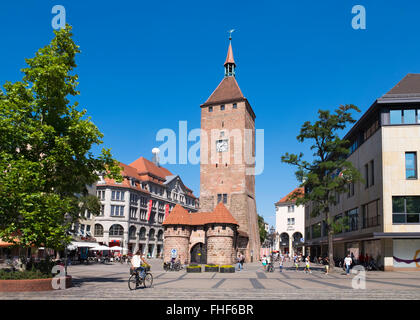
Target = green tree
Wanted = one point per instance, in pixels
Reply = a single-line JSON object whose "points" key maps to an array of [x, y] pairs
{"points": [[45, 150], [261, 227], [330, 173]]}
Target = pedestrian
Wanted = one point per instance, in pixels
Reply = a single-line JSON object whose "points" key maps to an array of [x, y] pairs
{"points": [[264, 262], [347, 263], [307, 267], [242, 261], [296, 262], [238, 263], [327, 265], [281, 263]]}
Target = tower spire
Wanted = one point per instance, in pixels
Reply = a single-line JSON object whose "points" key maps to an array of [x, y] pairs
{"points": [[230, 62]]}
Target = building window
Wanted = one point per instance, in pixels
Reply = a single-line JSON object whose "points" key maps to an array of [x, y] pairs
{"points": [[291, 208], [98, 230], [411, 165], [395, 117], [316, 230], [102, 210], [222, 107], [352, 220], [338, 219], [291, 221], [350, 188], [366, 176], [409, 116], [225, 198], [210, 109], [133, 213], [406, 210], [372, 173], [101, 194], [117, 211], [370, 214], [235, 106], [117, 195], [116, 230]]}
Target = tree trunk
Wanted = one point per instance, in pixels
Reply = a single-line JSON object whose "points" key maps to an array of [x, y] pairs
{"points": [[330, 242]]}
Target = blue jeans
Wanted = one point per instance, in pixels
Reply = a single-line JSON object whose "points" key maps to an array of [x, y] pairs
{"points": [[239, 266], [347, 269], [142, 273]]}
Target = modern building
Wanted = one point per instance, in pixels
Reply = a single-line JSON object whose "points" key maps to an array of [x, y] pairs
{"points": [[290, 225], [383, 212], [133, 211], [227, 172]]}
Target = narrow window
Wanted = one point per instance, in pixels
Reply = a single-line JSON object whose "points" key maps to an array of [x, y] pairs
{"points": [[225, 198], [372, 173], [367, 176], [210, 109], [235, 106], [222, 107], [411, 165]]}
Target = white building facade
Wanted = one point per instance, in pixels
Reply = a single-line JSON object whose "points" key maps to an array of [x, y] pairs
{"points": [[132, 212], [290, 225]]}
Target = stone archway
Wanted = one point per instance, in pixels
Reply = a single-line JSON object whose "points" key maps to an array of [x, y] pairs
{"points": [[198, 253]]}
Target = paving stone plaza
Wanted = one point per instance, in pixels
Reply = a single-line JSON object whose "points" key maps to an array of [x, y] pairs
{"points": [[109, 281]]}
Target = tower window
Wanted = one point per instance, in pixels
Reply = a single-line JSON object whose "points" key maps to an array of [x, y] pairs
{"points": [[210, 109], [235, 106], [222, 107]]}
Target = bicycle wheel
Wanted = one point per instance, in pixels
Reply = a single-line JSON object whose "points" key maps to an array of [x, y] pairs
{"points": [[177, 267], [133, 283], [148, 280]]}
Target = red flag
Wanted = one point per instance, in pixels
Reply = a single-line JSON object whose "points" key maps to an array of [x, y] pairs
{"points": [[149, 209], [166, 210]]}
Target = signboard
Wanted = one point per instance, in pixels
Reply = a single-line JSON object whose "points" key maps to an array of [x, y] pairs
{"points": [[166, 210], [174, 253]]}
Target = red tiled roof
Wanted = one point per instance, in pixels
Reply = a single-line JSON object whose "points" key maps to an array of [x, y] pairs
{"points": [[287, 198], [143, 170], [227, 90], [180, 216]]}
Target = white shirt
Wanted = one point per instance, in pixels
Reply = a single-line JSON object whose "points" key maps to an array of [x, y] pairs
{"points": [[136, 261], [348, 261]]}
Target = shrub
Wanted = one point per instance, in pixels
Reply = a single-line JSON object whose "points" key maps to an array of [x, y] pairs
{"points": [[227, 266], [21, 275], [212, 265], [194, 266]]}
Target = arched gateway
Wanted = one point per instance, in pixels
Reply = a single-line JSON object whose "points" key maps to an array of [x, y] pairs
{"points": [[198, 253]]}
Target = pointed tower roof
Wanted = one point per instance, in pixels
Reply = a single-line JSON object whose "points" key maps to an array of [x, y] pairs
{"points": [[229, 57], [178, 216]]}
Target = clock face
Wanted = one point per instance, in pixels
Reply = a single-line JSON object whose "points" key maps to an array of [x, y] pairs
{"points": [[222, 145]]}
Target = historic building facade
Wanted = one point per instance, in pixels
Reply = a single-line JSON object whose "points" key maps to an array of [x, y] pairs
{"points": [[133, 211], [290, 225], [202, 237], [383, 212], [227, 152]]}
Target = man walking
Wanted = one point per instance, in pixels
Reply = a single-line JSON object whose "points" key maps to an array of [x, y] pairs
{"points": [[347, 263], [238, 262]]}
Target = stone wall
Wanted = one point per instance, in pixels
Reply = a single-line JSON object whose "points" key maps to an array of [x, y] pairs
{"points": [[220, 245], [177, 239]]}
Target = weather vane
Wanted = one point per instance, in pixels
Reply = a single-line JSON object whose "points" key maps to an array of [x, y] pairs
{"points": [[230, 34]]}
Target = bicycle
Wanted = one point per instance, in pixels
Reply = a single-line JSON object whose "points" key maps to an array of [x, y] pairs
{"points": [[174, 267], [270, 267], [136, 280]]}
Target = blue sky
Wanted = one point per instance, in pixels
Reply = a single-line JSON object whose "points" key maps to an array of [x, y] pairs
{"points": [[146, 65]]}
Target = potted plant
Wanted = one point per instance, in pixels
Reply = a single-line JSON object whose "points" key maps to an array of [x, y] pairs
{"points": [[227, 269], [211, 268], [194, 268]]}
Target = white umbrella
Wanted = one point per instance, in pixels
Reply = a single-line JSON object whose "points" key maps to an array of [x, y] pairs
{"points": [[99, 248], [115, 248]]}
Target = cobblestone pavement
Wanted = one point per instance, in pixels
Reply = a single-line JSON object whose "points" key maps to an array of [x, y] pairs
{"points": [[99, 281]]}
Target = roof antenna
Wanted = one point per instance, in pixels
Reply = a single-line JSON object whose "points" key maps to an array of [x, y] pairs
{"points": [[155, 158]]}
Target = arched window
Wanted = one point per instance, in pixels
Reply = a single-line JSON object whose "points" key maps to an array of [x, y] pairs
{"points": [[142, 233], [151, 234], [132, 232], [160, 235], [297, 236], [98, 230], [116, 230]]}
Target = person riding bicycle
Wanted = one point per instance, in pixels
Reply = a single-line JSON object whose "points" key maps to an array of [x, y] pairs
{"points": [[136, 263]]}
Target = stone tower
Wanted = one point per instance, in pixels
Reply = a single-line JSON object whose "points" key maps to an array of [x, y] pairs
{"points": [[227, 157]]}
